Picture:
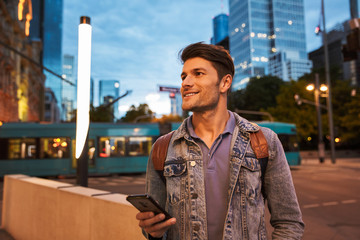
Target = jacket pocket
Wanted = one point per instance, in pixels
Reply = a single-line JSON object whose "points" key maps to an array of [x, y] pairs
{"points": [[250, 174], [175, 174]]}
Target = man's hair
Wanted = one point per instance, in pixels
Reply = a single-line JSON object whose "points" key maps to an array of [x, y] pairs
{"points": [[217, 55]]}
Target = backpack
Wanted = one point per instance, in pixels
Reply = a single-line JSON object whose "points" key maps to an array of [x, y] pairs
{"points": [[257, 140]]}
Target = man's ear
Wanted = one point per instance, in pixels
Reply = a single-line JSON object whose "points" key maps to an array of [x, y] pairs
{"points": [[225, 83]]}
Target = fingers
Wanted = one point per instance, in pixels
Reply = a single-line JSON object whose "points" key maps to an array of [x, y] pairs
{"points": [[154, 225], [144, 215], [158, 229], [148, 221]]}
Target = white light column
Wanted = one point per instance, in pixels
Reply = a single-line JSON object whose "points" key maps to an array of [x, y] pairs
{"points": [[83, 99]]}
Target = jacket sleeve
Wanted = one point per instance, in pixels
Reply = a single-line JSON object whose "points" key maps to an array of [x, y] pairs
{"points": [[282, 201], [155, 187]]}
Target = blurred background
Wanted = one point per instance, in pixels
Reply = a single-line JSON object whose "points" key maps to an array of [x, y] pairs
{"points": [[297, 71]]}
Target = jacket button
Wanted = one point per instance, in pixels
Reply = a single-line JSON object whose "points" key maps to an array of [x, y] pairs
{"points": [[196, 227], [193, 163], [194, 195]]}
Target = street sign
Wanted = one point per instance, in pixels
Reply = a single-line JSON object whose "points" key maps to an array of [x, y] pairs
{"points": [[169, 89]]}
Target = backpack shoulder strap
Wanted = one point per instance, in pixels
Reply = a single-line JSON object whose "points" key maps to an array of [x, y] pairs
{"points": [[260, 147], [259, 144], [159, 151]]}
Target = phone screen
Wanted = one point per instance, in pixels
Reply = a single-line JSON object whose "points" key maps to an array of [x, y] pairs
{"points": [[145, 203]]}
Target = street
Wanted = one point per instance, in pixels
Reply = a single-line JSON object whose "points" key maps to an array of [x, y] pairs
{"points": [[328, 195], [329, 198]]}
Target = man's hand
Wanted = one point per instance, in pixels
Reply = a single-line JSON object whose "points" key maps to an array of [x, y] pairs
{"points": [[154, 225]]}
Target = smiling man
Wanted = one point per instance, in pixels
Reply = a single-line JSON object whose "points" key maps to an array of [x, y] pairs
{"points": [[212, 185]]}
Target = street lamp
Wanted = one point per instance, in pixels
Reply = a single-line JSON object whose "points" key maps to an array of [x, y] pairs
{"points": [[328, 82], [316, 88], [83, 100]]}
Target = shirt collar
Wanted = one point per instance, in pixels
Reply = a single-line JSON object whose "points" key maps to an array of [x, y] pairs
{"points": [[229, 128]]}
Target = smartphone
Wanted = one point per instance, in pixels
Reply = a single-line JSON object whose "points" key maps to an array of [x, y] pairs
{"points": [[145, 203]]}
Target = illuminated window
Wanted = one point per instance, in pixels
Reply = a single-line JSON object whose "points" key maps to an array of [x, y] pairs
{"points": [[54, 147], [111, 146], [140, 146], [22, 148]]}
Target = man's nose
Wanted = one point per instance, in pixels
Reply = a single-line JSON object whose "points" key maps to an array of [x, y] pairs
{"points": [[187, 81]]}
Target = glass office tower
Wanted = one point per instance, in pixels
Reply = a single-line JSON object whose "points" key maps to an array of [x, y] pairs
{"points": [[109, 91], [220, 28], [68, 91], [267, 37], [47, 26]]}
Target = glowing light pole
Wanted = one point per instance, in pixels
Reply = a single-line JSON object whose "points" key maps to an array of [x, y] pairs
{"points": [[83, 100]]}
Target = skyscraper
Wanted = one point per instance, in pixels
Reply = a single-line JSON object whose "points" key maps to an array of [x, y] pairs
{"points": [[47, 26], [68, 91], [221, 30], [108, 92], [267, 37]]}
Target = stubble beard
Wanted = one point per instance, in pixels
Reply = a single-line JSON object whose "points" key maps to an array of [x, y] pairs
{"points": [[198, 107]]}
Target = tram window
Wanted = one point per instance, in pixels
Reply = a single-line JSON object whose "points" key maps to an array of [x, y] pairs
{"points": [[112, 146], [54, 147], [22, 148], [139, 146], [289, 142]]}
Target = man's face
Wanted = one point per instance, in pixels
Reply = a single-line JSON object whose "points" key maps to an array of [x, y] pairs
{"points": [[200, 85]]}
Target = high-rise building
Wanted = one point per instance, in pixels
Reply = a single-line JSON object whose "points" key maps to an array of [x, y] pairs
{"points": [[109, 91], [68, 91], [221, 30], [176, 104], [51, 113], [91, 91], [336, 39], [47, 26], [267, 37]]}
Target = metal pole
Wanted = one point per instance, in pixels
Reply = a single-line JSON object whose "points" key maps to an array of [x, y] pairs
{"points": [[83, 165], [327, 74], [321, 147]]}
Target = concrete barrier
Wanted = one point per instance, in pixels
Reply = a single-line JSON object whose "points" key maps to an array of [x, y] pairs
{"points": [[35, 208]]}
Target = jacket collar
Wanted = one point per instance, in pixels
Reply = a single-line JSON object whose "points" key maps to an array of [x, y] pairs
{"points": [[245, 127]]}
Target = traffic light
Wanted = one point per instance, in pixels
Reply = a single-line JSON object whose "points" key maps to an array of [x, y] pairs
{"points": [[347, 54], [350, 49], [353, 40]]}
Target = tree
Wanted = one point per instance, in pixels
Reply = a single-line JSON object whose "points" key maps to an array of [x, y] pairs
{"points": [[101, 114], [348, 122], [169, 118], [259, 94], [97, 114], [142, 113], [346, 110]]}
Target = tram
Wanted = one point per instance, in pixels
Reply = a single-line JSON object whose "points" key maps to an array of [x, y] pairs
{"points": [[39, 149]]}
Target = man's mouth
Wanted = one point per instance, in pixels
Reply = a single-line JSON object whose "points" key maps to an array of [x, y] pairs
{"points": [[190, 94]]}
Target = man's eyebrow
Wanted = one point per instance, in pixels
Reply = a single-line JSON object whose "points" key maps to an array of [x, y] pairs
{"points": [[193, 70], [197, 69]]}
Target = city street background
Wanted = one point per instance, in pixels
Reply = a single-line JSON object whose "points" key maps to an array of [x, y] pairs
{"points": [[328, 195]]}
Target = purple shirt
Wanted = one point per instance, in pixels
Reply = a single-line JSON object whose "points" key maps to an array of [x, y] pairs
{"points": [[217, 166]]}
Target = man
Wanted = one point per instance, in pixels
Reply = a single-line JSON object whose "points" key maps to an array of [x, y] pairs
{"points": [[213, 179]]}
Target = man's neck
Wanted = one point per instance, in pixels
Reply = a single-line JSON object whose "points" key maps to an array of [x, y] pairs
{"points": [[210, 124]]}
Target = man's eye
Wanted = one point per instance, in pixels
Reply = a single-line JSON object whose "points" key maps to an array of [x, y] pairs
{"points": [[199, 73], [183, 77]]}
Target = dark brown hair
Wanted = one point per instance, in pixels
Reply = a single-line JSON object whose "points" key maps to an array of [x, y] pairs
{"points": [[217, 55]]}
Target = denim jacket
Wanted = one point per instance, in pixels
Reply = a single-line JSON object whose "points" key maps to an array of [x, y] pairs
{"points": [[183, 194]]}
